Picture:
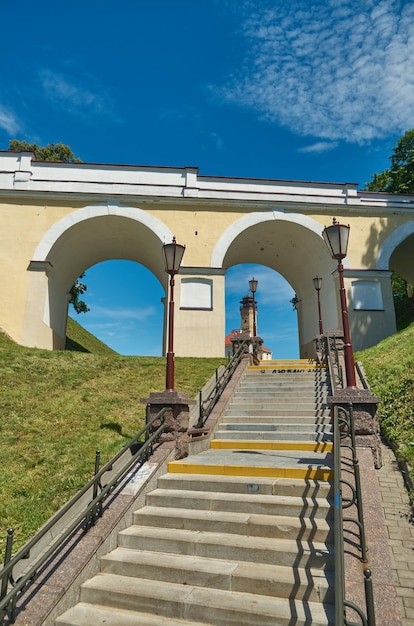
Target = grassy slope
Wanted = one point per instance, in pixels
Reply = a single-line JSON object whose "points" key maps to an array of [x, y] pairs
{"points": [[79, 339], [57, 408], [390, 370]]}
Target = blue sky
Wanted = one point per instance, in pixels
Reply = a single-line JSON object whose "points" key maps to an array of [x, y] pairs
{"points": [[306, 90]]}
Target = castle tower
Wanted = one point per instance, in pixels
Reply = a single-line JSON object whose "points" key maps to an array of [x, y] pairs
{"points": [[248, 314]]}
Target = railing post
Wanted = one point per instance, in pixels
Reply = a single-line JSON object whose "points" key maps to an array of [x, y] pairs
{"points": [[200, 409], [93, 514], [369, 595], [7, 557]]}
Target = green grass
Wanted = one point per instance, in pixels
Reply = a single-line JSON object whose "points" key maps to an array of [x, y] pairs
{"points": [[58, 408], [80, 340], [390, 369]]}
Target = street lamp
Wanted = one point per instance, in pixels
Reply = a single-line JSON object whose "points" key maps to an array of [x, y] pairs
{"points": [[173, 254], [317, 283], [336, 238], [253, 288]]}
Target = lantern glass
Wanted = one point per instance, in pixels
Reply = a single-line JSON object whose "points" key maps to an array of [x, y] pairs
{"points": [[336, 238], [317, 282], [173, 255], [253, 285]]}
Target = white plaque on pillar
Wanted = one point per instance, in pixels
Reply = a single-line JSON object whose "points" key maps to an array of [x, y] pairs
{"points": [[196, 293], [367, 295]]}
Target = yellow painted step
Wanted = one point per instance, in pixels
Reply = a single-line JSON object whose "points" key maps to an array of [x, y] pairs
{"points": [[310, 446], [294, 365], [311, 473]]}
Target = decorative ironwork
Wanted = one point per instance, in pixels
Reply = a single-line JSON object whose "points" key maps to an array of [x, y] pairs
{"points": [[344, 437]]}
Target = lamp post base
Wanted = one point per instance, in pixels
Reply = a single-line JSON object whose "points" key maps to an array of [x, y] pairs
{"points": [[176, 420]]}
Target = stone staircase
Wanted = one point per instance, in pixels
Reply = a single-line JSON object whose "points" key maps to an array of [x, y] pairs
{"points": [[240, 533]]}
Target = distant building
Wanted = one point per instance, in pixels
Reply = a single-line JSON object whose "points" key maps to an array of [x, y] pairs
{"points": [[248, 315]]}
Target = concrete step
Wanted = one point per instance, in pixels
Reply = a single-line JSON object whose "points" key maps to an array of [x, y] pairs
{"points": [[277, 419], [238, 523], [299, 507], [216, 545], [308, 460], [278, 383], [207, 606], [269, 580], [270, 395], [244, 485], [281, 435], [287, 373], [277, 410], [268, 405], [275, 427], [84, 614]]}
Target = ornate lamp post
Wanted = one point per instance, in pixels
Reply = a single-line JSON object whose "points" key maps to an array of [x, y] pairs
{"points": [[317, 283], [253, 288], [336, 238], [173, 254]]}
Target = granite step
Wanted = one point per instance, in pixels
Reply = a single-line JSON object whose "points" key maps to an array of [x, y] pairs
{"points": [[207, 606]]}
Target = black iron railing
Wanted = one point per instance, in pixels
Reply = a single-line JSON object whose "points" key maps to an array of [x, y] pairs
{"points": [[334, 364], [344, 437], [10, 588], [207, 404], [327, 354]]}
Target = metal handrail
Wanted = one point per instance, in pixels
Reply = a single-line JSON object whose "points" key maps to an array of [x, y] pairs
{"points": [[88, 515], [334, 365], [206, 405], [361, 375], [343, 422]]}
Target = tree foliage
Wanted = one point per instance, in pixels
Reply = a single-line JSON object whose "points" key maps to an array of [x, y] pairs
{"points": [[399, 178], [76, 291], [52, 152]]}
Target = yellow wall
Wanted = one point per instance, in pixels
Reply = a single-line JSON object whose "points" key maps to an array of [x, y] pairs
{"points": [[25, 219]]}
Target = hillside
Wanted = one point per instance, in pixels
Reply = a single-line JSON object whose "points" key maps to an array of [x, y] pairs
{"points": [[58, 408], [390, 369], [80, 340]]}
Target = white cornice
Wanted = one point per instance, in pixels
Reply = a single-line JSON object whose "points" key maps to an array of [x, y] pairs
{"points": [[21, 176]]}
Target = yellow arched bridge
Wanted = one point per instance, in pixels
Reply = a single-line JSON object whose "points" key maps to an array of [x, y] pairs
{"points": [[59, 219]]}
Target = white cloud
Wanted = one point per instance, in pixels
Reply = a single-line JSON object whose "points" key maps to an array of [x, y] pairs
{"points": [[272, 288], [8, 122], [139, 314], [319, 146], [74, 97], [329, 69]]}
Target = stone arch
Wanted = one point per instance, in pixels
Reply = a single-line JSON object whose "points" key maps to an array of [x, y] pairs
{"points": [[396, 252], [81, 239], [292, 244]]}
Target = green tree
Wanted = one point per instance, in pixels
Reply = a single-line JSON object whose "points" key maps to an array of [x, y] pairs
{"points": [[77, 290], [399, 178], [51, 152], [61, 153]]}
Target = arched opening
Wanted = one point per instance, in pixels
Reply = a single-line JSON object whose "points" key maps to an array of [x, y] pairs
{"points": [[402, 265], [81, 240], [292, 246], [401, 260], [276, 317], [125, 307]]}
